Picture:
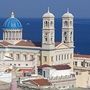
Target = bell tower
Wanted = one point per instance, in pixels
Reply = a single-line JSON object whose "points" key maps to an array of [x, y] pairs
{"points": [[48, 39], [67, 29], [48, 32]]}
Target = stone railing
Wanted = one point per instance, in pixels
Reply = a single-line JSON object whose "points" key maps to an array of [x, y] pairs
{"points": [[61, 78]]}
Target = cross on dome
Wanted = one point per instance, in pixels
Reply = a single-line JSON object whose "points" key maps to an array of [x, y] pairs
{"points": [[48, 10], [67, 10], [48, 13], [12, 15]]}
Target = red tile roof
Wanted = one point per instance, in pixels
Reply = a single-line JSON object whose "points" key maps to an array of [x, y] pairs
{"points": [[43, 66], [25, 43], [5, 43], [61, 67], [40, 82], [57, 67], [25, 70]]}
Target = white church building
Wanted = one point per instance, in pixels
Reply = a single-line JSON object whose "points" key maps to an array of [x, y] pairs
{"points": [[54, 58], [16, 51]]}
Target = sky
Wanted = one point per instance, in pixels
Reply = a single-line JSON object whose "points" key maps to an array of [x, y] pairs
{"points": [[36, 8]]}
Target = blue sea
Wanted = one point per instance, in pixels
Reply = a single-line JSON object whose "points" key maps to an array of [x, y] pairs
{"points": [[32, 30]]}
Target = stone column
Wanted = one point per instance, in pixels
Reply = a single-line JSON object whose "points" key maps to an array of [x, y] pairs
{"points": [[21, 35]]}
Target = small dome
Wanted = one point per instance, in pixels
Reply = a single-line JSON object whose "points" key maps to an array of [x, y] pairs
{"points": [[48, 14], [12, 23], [68, 14]]}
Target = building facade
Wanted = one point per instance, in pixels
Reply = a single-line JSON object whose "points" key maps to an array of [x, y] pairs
{"points": [[81, 67], [14, 50], [61, 76]]}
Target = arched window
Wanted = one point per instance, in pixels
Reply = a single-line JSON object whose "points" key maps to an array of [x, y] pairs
{"points": [[51, 23], [71, 23], [17, 56], [71, 36], [65, 56], [71, 56], [46, 23], [45, 39], [65, 23], [65, 38], [11, 55], [62, 57], [25, 57], [65, 33]]}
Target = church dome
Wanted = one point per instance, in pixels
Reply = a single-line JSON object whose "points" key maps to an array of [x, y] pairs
{"points": [[12, 23], [48, 14], [68, 14]]}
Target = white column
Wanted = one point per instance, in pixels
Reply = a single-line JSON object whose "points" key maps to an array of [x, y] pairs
{"points": [[7, 35], [15, 35], [18, 35], [11, 35], [21, 34]]}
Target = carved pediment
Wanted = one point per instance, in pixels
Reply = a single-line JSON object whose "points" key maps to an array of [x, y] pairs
{"points": [[61, 46]]}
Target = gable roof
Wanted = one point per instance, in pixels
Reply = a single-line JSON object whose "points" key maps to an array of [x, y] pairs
{"points": [[61, 45]]}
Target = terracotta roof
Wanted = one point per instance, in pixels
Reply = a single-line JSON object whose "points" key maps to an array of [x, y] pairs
{"points": [[61, 67], [5, 43], [57, 67], [83, 56], [25, 70], [43, 66], [39, 82], [27, 43]]}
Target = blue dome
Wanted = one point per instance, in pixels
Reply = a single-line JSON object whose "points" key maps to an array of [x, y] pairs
{"points": [[12, 23]]}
